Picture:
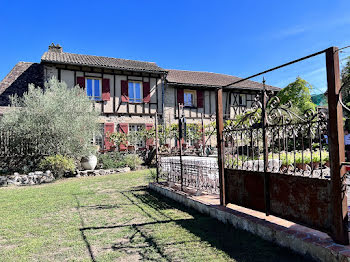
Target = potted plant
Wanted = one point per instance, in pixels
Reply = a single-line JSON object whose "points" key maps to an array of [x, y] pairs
{"points": [[131, 148], [325, 158], [302, 159], [287, 160], [316, 159]]}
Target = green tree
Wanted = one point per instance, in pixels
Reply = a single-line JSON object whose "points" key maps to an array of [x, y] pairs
{"points": [[60, 120], [345, 79], [298, 93]]}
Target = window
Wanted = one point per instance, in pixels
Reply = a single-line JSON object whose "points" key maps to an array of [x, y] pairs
{"points": [[137, 141], [135, 92], [99, 138], [189, 98], [93, 88], [242, 100]]}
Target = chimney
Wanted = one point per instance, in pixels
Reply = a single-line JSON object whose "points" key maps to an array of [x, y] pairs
{"points": [[55, 48]]}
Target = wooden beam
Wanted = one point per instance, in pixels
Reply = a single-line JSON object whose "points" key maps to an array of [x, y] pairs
{"points": [[220, 144], [156, 142], [336, 149]]}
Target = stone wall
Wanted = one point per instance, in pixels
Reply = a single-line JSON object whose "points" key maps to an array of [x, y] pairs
{"points": [[32, 178], [39, 177]]}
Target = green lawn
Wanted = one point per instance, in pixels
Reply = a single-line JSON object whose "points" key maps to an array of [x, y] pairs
{"points": [[115, 217]]}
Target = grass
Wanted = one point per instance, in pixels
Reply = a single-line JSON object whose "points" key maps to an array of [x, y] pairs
{"points": [[115, 217]]}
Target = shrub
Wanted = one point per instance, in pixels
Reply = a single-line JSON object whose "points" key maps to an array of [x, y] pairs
{"points": [[152, 175], [132, 161], [58, 164], [325, 156], [56, 120], [287, 158], [111, 160], [303, 157], [316, 157]]}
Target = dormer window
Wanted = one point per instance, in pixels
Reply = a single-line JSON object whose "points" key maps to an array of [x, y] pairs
{"points": [[135, 92], [93, 89]]}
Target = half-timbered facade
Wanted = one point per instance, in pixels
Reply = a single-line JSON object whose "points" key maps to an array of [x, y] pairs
{"points": [[197, 91], [128, 93]]}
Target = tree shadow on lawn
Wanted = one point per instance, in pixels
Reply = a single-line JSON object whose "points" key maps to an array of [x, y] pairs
{"points": [[237, 244]]}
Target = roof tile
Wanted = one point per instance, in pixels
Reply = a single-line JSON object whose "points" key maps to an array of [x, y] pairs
{"points": [[183, 77], [99, 61]]}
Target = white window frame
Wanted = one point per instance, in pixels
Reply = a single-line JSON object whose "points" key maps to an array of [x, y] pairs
{"points": [[93, 97], [132, 100], [137, 127], [194, 95], [99, 136]]}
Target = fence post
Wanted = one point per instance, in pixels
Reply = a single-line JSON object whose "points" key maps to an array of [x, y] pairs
{"points": [[265, 151], [180, 144], [156, 131], [336, 149], [220, 144], [203, 136]]}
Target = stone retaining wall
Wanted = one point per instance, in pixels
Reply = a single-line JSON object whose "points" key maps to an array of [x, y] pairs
{"points": [[39, 177], [32, 178], [101, 172], [305, 241]]}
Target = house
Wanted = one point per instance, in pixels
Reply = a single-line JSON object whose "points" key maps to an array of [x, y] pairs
{"points": [[128, 93]]}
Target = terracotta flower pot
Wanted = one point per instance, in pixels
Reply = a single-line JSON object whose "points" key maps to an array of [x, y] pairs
{"points": [[315, 165], [301, 166], [283, 167]]}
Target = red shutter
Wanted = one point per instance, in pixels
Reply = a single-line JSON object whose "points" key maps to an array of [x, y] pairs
{"points": [[123, 128], [200, 98], [178, 142], [125, 91], [180, 96], [81, 81], [146, 92], [106, 91], [150, 140], [109, 128]]}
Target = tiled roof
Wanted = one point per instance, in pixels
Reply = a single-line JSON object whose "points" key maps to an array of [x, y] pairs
{"points": [[195, 78], [16, 82], [99, 61]]}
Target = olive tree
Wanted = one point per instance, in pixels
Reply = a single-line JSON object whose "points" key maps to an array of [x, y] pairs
{"points": [[55, 119]]}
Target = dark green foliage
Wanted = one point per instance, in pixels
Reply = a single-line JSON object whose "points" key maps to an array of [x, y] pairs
{"points": [[111, 160], [58, 164], [320, 99], [132, 161], [117, 160], [345, 78]]}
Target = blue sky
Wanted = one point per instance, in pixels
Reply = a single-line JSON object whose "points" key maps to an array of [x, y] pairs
{"points": [[231, 37]]}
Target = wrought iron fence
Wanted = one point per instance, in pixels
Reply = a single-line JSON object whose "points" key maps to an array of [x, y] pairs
{"points": [[200, 173], [273, 137]]}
